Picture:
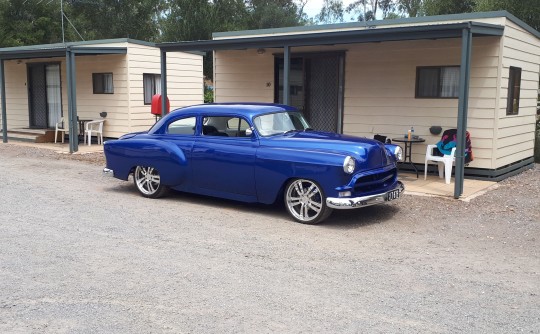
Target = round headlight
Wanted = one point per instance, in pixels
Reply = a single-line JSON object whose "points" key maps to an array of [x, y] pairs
{"points": [[349, 164], [398, 152]]}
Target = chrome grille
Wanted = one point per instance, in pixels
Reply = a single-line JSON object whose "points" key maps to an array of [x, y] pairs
{"points": [[376, 181]]}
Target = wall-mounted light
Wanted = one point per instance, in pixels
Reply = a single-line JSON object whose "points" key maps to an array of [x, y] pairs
{"points": [[261, 51]]}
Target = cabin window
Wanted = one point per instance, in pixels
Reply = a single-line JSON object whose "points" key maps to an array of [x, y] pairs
{"points": [[437, 82], [102, 83], [514, 85], [151, 86]]}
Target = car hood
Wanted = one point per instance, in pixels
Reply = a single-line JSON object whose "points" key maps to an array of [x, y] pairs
{"points": [[368, 153]]}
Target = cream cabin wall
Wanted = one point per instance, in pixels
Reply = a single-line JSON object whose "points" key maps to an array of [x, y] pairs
{"points": [[17, 113], [515, 135], [126, 111], [379, 95], [244, 76], [380, 83], [90, 105], [184, 82]]}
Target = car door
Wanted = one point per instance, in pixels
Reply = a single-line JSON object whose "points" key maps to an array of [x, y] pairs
{"points": [[224, 157]]}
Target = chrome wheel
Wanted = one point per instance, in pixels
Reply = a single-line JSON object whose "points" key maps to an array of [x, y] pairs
{"points": [[305, 201], [148, 182]]}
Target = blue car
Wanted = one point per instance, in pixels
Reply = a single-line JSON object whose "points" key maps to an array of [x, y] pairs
{"points": [[257, 153]]}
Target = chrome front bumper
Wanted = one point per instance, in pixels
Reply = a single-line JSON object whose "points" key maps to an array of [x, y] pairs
{"points": [[359, 202], [108, 172]]}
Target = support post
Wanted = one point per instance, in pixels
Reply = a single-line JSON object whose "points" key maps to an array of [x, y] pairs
{"points": [[4, 114], [72, 102], [463, 106], [163, 83], [286, 72]]}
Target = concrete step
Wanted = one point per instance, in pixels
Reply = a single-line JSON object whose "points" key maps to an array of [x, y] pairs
{"points": [[22, 137], [31, 135]]}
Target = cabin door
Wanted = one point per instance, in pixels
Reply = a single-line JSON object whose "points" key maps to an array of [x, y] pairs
{"points": [[44, 95], [316, 88]]}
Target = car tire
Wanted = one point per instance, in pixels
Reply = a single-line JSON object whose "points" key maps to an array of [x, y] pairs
{"points": [[305, 201], [148, 182]]}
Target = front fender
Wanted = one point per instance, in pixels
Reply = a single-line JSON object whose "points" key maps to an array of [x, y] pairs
{"points": [[124, 155], [275, 166]]}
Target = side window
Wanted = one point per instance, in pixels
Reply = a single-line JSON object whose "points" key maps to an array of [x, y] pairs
{"points": [[184, 126], [514, 87], [225, 126], [238, 126]]}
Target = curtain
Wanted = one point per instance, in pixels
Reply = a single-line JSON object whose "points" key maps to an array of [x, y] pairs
{"points": [[108, 83], [54, 94], [147, 88], [151, 86], [450, 82]]}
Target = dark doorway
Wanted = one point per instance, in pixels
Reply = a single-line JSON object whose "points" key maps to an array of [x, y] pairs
{"points": [[44, 95], [316, 88]]}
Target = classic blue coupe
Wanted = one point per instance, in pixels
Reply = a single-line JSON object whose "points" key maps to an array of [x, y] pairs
{"points": [[257, 153]]}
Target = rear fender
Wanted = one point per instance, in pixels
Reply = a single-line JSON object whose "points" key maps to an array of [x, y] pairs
{"points": [[124, 155]]}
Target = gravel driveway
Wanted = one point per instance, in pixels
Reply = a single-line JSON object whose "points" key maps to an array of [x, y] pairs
{"points": [[82, 253]]}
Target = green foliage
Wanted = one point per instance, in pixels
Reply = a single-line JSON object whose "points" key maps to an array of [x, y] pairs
{"points": [[208, 95], [526, 10], [272, 14], [442, 7], [331, 12], [27, 22], [102, 19], [412, 8]]}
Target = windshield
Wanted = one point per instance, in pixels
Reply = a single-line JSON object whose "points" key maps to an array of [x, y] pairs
{"points": [[281, 122]]}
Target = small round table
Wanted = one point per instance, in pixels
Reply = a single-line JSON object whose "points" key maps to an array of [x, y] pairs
{"points": [[408, 149]]}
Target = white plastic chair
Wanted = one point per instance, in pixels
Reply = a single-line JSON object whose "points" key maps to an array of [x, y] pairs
{"points": [[60, 128], [446, 160], [95, 127]]}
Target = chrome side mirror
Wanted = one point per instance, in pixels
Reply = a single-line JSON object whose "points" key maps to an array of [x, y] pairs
{"points": [[249, 132]]}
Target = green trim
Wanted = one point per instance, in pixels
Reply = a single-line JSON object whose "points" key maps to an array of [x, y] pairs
{"points": [[59, 49], [380, 23], [431, 31]]}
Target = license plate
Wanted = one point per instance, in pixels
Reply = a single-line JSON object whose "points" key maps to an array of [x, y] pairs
{"points": [[394, 194]]}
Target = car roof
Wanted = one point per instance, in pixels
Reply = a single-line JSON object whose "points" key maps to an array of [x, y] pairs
{"points": [[250, 109]]}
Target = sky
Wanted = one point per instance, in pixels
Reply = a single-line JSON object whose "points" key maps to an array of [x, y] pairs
{"points": [[313, 7]]}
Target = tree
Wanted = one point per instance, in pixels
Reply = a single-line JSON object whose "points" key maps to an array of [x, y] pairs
{"points": [[273, 14], [442, 7], [29, 22], [366, 10], [331, 12], [411, 7], [526, 10], [100, 19]]}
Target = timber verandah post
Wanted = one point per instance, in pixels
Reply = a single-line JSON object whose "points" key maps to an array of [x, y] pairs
{"points": [[463, 105], [4, 114]]}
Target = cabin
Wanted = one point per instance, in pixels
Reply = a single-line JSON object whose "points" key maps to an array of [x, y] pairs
{"points": [[75, 82]]}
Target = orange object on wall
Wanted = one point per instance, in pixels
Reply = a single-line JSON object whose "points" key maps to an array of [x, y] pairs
{"points": [[156, 105]]}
